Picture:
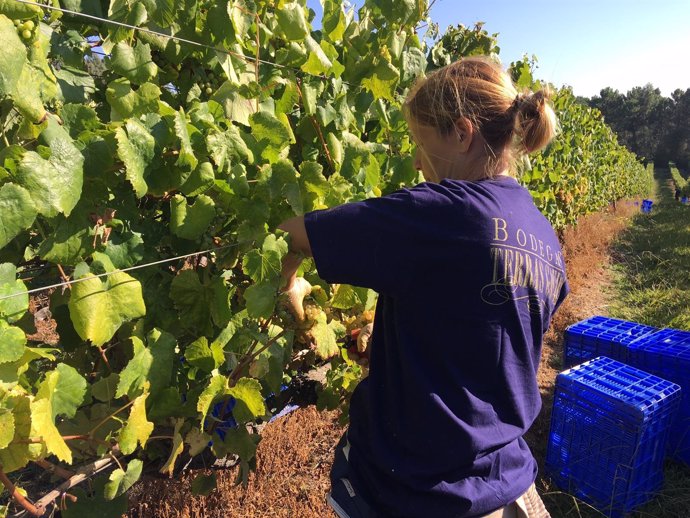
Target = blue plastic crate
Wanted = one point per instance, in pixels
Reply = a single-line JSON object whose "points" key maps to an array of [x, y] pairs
{"points": [[609, 429], [601, 336], [666, 353]]}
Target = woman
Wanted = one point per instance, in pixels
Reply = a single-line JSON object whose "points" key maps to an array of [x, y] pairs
{"points": [[469, 274]]}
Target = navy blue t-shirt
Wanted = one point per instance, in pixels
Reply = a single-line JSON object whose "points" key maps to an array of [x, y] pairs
{"points": [[468, 275]]}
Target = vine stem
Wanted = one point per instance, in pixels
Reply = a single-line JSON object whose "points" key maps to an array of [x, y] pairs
{"points": [[317, 127], [35, 510], [82, 474], [106, 419], [56, 470], [64, 276], [105, 358], [237, 371], [39, 440], [234, 376]]}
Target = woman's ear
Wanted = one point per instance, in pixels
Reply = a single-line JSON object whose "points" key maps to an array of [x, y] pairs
{"points": [[465, 132]]}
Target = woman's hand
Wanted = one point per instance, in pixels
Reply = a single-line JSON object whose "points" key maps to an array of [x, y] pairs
{"points": [[364, 339], [293, 297]]}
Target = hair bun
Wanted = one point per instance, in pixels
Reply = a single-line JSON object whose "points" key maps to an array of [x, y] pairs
{"points": [[535, 120]]}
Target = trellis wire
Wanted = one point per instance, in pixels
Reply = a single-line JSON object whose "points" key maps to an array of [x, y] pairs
{"points": [[106, 274]]}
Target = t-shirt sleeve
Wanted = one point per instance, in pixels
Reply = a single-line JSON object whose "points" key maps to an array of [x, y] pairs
{"points": [[368, 243]]}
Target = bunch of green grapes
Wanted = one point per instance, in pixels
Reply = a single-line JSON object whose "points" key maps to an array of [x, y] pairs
{"points": [[210, 85], [25, 29]]}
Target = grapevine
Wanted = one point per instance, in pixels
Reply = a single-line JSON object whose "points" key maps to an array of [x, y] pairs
{"points": [[126, 152]]}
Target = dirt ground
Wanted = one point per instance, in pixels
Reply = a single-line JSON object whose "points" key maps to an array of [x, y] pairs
{"points": [[295, 454]]}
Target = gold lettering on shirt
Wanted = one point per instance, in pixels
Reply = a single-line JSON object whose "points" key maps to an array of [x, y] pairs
{"points": [[500, 226], [532, 265]]}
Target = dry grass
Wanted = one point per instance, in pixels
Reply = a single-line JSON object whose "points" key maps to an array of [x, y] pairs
{"points": [[291, 478]]}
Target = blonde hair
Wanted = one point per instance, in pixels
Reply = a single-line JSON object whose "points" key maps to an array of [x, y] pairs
{"points": [[478, 89]]}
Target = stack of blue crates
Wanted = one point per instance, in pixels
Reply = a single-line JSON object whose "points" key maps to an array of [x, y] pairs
{"points": [[609, 431], [602, 336], [666, 353]]}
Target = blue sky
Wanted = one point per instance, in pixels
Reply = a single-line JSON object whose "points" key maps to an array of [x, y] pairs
{"points": [[586, 44]]}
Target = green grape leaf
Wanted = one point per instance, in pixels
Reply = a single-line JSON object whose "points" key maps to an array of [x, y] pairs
{"points": [[16, 11], [137, 428], [77, 118], [413, 64], [261, 298], [98, 308], [191, 221], [54, 184], [43, 425], [241, 18], [104, 389], [125, 102], [203, 485], [134, 63], [265, 263], [284, 184], [152, 365], [69, 242], [216, 387], [125, 249], [271, 134], [359, 163], [176, 450], [401, 11], [119, 481], [6, 428], [200, 181], [186, 159], [12, 343], [197, 440], [132, 13], [324, 336], [240, 442], [65, 388], [18, 454], [250, 402], [76, 86], [382, 81], [292, 21], [134, 376], [318, 63], [314, 186], [199, 355], [334, 21], [161, 12], [26, 97], [237, 108], [192, 301], [18, 212], [135, 147], [228, 147], [348, 297], [162, 346], [12, 57], [12, 309]]}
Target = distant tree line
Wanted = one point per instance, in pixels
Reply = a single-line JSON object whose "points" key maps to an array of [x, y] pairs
{"points": [[655, 127]]}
